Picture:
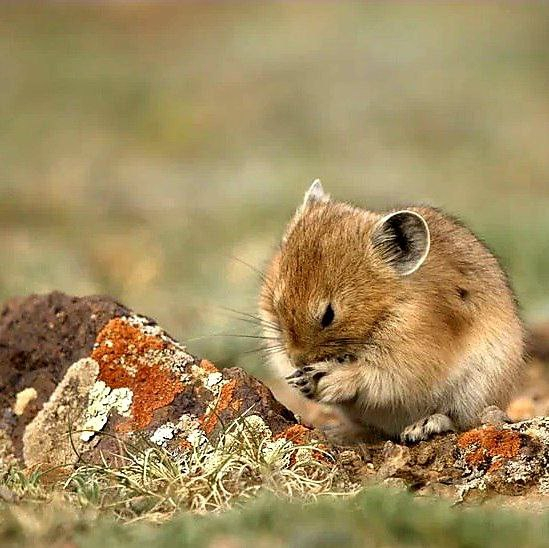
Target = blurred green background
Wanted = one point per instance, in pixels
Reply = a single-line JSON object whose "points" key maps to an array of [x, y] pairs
{"points": [[144, 146]]}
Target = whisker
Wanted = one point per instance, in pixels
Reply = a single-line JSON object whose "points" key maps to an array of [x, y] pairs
{"points": [[258, 319], [345, 341], [254, 269], [236, 335], [267, 350], [255, 322], [260, 337], [252, 351]]}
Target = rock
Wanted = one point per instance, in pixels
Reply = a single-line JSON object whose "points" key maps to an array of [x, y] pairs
{"points": [[395, 457], [512, 459], [40, 337], [81, 375]]}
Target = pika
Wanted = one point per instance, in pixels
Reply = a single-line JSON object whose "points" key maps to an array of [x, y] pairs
{"points": [[404, 320]]}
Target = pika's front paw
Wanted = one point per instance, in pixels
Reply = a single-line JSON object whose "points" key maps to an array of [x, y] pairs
{"points": [[425, 428], [325, 382], [304, 383], [306, 379]]}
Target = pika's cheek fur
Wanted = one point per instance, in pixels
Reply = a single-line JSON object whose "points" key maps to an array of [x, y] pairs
{"points": [[419, 302]]}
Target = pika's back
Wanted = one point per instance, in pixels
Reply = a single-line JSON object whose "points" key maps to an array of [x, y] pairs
{"points": [[457, 255]]}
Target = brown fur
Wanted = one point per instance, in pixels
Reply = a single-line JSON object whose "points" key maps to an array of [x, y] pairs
{"points": [[445, 340]]}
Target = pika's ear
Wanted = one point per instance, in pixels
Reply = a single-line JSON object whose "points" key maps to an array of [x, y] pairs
{"points": [[315, 194], [403, 240]]}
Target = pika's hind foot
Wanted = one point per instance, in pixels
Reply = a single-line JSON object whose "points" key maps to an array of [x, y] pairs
{"points": [[493, 415], [425, 428]]}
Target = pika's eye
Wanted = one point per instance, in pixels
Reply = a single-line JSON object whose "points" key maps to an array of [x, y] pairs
{"points": [[328, 316]]}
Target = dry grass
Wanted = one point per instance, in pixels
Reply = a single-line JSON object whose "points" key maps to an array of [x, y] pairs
{"points": [[239, 491], [153, 484]]}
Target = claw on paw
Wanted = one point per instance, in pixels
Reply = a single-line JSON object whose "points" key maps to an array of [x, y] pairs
{"points": [[427, 427]]}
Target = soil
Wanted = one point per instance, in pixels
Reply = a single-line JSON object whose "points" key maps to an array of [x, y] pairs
{"points": [[40, 337]]}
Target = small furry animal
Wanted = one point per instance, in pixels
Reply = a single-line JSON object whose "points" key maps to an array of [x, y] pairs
{"points": [[403, 320]]}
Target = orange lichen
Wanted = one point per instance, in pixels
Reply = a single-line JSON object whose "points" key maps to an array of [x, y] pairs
{"points": [[225, 398], [185, 445], [120, 348], [495, 466], [482, 445], [297, 433], [208, 366], [128, 358]]}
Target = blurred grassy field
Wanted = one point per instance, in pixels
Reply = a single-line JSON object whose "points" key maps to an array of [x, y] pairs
{"points": [[381, 518], [142, 146]]}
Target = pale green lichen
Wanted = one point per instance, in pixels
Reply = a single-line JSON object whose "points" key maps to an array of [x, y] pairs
{"points": [[476, 483], [102, 400], [187, 428], [544, 485], [164, 433], [538, 427], [212, 381], [191, 431], [151, 328], [521, 471]]}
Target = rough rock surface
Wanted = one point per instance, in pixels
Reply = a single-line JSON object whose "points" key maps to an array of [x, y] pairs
{"points": [[40, 337], [502, 460], [81, 376]]}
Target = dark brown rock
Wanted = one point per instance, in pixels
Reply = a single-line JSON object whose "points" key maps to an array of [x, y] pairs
{"points": [[40, 337], [82, 375]]}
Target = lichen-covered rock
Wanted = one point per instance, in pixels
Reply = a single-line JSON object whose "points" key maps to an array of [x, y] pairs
{"points": [[128, 380], [510, 460], [507, 459], [41, 336], [51, 438]]}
